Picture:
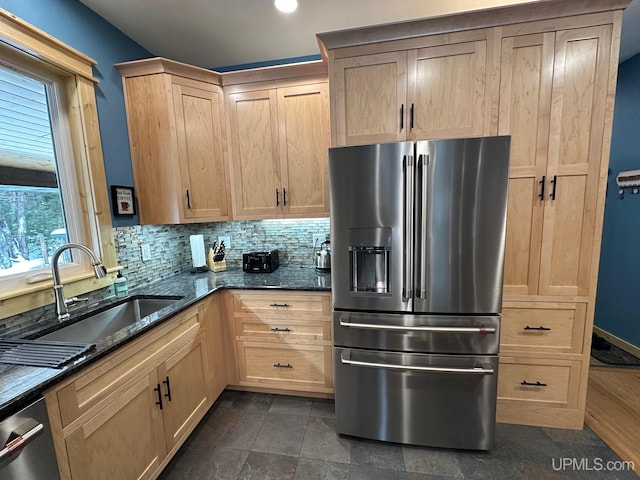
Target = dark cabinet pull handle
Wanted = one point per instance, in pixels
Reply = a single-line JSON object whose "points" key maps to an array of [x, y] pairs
{"points": [[546, 329], [554, 182], [529, 384], [541, 182], [168, 384], [188, 201], [159, 402], [284, 196], [277, 198], [279, 365], [276, 329], [401, 116], [411, 117], [283, 305]]}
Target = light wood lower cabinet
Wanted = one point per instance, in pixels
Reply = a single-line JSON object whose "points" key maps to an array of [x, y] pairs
{"points": [[281, 341], [125, 416], [286, 366], [543, 357], [185, 390], [539, 391], [535, 327], [123, 440]]}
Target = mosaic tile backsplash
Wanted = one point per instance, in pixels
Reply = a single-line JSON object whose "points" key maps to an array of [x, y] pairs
{"points": [[171, 252]]}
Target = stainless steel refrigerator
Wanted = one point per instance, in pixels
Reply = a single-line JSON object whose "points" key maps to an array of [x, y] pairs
{"points": [[418, 235]]}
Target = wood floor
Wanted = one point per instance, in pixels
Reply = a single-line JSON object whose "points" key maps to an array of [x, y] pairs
{"points": [[613, 409]]}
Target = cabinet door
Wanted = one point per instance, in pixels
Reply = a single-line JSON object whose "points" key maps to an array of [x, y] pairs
{"points": [[525, 101], [304, 139], [447, 91], [200, 137], [186, 390], [129, 429], [255, 154], [370, 94], [579, 97]]}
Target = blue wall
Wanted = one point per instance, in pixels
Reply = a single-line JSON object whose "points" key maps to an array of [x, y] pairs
{"points": [[618, 298], [78, 26]]}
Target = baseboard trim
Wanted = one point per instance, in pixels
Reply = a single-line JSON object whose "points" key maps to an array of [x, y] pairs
{"points": [[617, 341]]}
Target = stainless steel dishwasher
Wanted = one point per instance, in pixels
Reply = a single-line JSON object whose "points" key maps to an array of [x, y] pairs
{"points": [[27, 446]]}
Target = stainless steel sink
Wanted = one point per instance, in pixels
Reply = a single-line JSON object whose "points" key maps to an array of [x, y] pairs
{"points": [[107, 322]]}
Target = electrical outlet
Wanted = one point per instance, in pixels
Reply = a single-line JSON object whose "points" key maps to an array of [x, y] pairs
{"points": [[318, 239], [226, 239], [146, 252]]}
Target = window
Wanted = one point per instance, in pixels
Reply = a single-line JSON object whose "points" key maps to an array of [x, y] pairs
{"points": [[52, 183], [35, 164]]}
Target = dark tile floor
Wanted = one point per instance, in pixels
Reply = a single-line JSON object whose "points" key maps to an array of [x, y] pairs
{"points": [[251, 436]]}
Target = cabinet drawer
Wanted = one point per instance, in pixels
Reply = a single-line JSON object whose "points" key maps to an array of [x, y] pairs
{"points": [[548, 381], [281, 304], [293, 367], [537, 327], [283, 330], [93, 386]]}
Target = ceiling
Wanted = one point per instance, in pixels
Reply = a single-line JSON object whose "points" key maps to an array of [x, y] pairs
{"points": [[218, 33]]}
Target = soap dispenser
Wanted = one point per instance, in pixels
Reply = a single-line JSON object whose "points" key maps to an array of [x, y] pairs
{"points": [[121, 286]]}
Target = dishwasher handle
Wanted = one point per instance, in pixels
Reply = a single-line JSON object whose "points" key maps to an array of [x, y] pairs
{"points": [[483, 369], [21, 441]]}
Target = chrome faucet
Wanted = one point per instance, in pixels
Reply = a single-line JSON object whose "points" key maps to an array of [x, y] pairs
{"points": [[61, 301]]}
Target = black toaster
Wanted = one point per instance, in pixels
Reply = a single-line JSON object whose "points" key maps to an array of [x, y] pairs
{"points": [[260, 262]]}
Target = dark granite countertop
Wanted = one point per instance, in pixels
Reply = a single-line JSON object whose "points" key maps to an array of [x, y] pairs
{"points": [[19, 385]]}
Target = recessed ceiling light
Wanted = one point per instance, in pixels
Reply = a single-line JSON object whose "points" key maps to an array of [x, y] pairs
{"points": [[286, 6]]}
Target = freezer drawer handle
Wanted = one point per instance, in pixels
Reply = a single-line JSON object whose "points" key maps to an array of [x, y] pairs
{"points": [[278, 329], [279, 365], [529, 384], [482, 370], [18, 443], [420, 329], [541, 328]]}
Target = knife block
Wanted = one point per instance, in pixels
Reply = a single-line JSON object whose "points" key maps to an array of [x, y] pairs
{"points": [[220, 266]]}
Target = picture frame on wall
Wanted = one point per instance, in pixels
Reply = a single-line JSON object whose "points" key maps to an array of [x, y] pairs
{"points": [[123, 200]]}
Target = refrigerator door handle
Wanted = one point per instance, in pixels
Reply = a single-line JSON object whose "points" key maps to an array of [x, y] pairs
{"points": [[407, 282], [482, 369], [418, 328], [421, 287]]}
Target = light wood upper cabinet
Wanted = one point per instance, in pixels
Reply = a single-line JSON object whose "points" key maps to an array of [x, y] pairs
{"points": [[303, 119], [177, 135], [370, 96], [425, 93], [447, 91], [552, 102], [254, 145], [279, 141], [201, 151]]}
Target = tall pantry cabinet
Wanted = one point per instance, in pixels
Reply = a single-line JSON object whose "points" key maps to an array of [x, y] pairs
{"points": [[545, 74]]}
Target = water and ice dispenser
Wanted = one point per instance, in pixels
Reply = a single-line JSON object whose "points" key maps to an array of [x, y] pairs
{"points": [[369, 260]]}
